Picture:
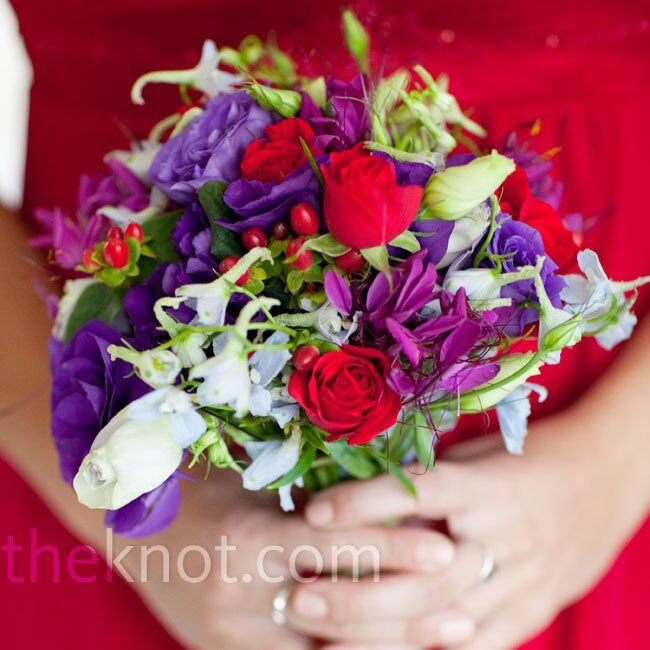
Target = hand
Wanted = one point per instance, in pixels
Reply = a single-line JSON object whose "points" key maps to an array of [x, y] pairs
{"points": [[554, 520], [215, 613]]}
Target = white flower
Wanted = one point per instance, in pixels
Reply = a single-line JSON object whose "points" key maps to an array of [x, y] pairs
{"points": [[129, 458], [186, 425], [157, 368], [122, 216], [601, 301], [466, 231], [272, 459], [72, 289], [210, 300], [334, 326], [225, 380], [205, 77], [513, 412], [138, 159], [188, 345]]}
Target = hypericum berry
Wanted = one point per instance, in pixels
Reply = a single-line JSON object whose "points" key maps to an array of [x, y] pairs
{"points": [[350, 262], [280, 230], [115, 233], [304, 219], [134, 230], [227, 263], [311, 287], [89, 262], [253, 237], [303, 260], [116, 253], [305, 357]]}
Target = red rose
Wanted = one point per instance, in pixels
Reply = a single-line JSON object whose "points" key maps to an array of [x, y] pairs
{"points": [[345, 394], [514, 191], [559, 244], [363, 205], [280, 153]]}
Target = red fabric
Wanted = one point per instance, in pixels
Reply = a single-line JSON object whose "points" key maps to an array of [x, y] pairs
{"points": [[582, 66]]}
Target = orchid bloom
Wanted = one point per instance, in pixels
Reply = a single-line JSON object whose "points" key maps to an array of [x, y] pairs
{"points": [[205, 76], [601, 301], [210, 300]]}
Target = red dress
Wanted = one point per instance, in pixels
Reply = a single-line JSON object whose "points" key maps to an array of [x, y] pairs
{"points": [[582, 66]]}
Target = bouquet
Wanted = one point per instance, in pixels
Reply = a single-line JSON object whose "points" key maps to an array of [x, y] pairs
{"points": [[305, 280]]}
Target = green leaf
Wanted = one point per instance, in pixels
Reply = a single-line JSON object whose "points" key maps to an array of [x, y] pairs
{"points": [[255, 286], [312, 162], [377, 257], [407, 241], [327, 245], [354, 460], [160, 229], [315, 438], [398, 473], [295, 279], [112, 277], [303, 465], [225, 242], [98, 301], [422, 440]]}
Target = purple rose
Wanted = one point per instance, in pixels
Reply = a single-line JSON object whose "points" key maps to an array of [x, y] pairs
{"points": [[263, 204], [346, 120], [520, 245], [192, 236], [211, 148]]}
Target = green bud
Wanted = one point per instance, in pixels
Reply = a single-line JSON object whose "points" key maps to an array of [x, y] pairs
{"points": [[285, 102], [356, 39], [564, 335], [514, 370], [316, 89], [251, 50], [456, 191]]}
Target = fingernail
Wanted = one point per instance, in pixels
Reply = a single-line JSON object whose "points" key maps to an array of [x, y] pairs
{"points": [[320, 513], [309, 605], [434, 556], [456, 630]]}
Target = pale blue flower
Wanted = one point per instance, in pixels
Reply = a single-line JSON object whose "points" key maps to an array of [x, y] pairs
{"points": [[513, 413]]}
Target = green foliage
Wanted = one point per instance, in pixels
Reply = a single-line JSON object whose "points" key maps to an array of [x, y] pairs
{"points": [[354, 459], [225, 242], [158, 233], [406, 482], [96, 302]]}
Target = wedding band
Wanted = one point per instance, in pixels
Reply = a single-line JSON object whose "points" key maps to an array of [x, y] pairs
{"points": [[489, 565], [280, 602]]}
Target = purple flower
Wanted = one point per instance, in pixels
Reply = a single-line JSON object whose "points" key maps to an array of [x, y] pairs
{"points": [[211, 147], [520, 245], [88, 390], [263, 204], [192, 235], [149, 513], [68, 237], [346, 120]]}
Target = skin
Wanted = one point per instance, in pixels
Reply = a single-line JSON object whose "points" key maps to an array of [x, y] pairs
{"points": [[546, 516]]}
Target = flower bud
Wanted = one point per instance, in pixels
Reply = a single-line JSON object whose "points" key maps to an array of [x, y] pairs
{"points": [[356, 39], [127, 459], [285, 102], [157, 368], [456, 191], [563, 335]]}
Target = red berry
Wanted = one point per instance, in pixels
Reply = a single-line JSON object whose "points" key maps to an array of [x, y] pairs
{"points": [[254, 237], [311, 287], [88, 261], [227, 263], [304, 219], [134, 230], [302, 260], [350, 262], [116, 253], [115, 233], [305, 357], [280, 230]]}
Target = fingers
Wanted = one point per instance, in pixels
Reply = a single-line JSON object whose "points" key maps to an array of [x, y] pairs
{"points": [[251, 633], [367, 646], [448, 489], [366, 549], [411, 609]]}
